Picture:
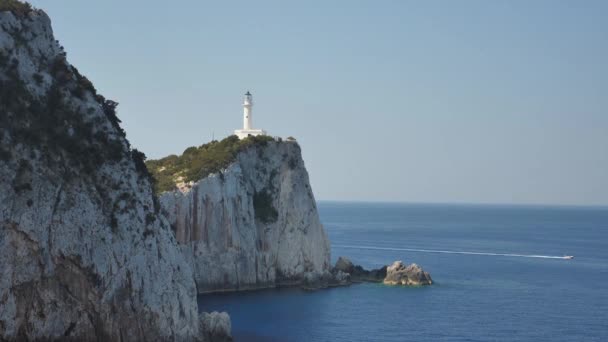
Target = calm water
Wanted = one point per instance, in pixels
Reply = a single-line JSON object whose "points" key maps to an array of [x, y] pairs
{"points": [[475, 298]]}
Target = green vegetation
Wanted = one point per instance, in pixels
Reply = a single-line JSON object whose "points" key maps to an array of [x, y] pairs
{"points": [[139, 158], [17, 7], [263, 208], [62, 129], [198, 162], [54, 125]]}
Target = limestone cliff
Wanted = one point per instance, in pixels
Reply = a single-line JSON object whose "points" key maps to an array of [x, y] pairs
{"points": [[83, 254], [253, 224]]}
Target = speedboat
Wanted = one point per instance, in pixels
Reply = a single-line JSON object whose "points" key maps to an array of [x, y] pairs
{"points": [[568, 257]]}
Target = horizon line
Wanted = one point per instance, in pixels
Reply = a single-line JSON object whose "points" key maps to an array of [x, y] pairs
{"points": [[493, 204]]}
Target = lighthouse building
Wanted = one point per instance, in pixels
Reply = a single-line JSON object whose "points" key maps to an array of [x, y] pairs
{"points": [[247, 120]]}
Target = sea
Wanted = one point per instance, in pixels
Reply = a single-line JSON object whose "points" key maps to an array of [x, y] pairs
{"points": [[499, 275]]}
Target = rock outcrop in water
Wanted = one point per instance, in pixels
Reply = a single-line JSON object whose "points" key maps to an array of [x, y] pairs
{"points": [[216, 326], [395, 274], [252, 225], [357, 273], [400, 274], [83, 254]]}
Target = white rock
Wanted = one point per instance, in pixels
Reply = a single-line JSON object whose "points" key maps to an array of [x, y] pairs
{"points": [[216, 326], [79, 255], [400, 274], [227, 246]]}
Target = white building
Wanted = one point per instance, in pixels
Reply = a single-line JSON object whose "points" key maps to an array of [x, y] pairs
{"points": [[247, 120]]}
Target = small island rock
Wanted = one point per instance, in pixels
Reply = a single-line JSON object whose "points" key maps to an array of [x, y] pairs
{"points": [[345, 265], [400, 274]]}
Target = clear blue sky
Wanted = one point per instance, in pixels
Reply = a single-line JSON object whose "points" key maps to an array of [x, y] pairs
{"points": [[418, 101]]}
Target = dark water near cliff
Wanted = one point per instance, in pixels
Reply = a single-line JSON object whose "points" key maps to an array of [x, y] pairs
{"points": [[475, 298]]}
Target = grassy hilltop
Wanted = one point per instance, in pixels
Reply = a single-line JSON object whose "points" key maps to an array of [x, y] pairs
{"points": [[198, 162], [17, 7]]}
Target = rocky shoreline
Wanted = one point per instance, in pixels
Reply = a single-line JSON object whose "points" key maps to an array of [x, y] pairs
{"points": [[345, 273]]}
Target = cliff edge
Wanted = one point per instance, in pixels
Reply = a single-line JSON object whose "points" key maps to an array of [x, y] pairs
{"points": [[250, 223], [83, 254]]}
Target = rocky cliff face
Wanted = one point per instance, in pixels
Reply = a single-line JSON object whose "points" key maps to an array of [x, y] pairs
{"points": [[83, 255], [253, 225]]}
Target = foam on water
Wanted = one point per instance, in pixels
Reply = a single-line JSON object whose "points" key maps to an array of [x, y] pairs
{"points": [[454, 252]]}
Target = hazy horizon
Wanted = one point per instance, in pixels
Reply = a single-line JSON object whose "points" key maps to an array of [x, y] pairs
{"points": [[438, 102], [480, 204]]}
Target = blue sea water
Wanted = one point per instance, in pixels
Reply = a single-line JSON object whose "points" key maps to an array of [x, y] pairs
{"points": [[475, 297]]}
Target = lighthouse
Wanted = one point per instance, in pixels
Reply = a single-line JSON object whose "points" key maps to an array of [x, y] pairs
{"points": [[247, 104], [247, 120]]}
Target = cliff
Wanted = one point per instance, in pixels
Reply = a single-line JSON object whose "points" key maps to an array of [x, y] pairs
{"points": [[253, 223], [83, 253]]}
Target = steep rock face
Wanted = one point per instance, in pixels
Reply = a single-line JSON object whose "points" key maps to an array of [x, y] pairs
{"points": [[254, 225], [83, 255]]}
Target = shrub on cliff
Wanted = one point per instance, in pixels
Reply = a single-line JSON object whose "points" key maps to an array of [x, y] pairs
{"points": [[18, 8], [199, 162], [263, 207], [53, 122]]}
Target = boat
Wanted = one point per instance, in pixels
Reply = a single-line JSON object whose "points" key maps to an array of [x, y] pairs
{"points": [[568, 257]]}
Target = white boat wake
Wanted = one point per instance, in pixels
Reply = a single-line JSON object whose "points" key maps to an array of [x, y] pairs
{"points": [[568, 257]]}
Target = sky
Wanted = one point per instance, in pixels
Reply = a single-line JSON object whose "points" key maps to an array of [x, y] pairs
{"points": [[411, 101]]}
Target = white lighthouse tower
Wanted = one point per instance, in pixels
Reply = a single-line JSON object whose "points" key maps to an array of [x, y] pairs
{"points": [[247, 120]]}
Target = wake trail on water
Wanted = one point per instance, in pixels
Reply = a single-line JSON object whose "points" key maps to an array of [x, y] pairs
{"points": [[453, 252]]}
